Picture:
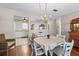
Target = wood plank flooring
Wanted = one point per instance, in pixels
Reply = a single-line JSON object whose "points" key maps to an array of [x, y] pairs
{"points": [[75, 52], [26, 50]]}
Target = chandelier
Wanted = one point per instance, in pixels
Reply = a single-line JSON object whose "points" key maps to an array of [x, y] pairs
{"points": [[44, 16]]}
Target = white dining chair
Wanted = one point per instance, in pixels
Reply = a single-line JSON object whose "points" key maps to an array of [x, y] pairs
{"points": [[39, 49], [52, 47], [63, 51], [68, 48]]}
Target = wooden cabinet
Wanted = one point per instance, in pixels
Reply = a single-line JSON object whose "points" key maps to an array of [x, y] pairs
{"points": [[75, 36], [74, 33]]}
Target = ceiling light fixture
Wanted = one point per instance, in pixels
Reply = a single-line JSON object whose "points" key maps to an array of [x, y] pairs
{"points": [[44, 17], [25, 19]]}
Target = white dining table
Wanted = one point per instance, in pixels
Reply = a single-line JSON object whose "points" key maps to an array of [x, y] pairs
{"points": [[51, 43]]}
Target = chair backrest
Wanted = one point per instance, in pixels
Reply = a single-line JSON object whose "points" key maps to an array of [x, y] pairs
{"points": [[68, 47], [33, 36], [2, 38], [37, 47]]}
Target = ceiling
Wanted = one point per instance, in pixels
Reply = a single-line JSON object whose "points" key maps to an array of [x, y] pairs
{"points": [[33, 8]]}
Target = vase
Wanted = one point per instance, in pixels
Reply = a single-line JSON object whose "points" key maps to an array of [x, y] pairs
{"points": [[48, 36]]}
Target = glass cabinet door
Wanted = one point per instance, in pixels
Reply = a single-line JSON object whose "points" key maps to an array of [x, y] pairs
{"points": [[74, 27]]}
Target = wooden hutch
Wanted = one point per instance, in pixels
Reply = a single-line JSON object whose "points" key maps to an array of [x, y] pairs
{"points": [[74, 32]]}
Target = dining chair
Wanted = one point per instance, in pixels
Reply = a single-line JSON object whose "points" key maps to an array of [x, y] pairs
{"points": [[68, 48], [52, 47], [39, 49], [64, 50]]}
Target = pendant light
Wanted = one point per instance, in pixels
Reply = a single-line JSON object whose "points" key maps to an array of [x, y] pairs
{"points": [[44, 17]]}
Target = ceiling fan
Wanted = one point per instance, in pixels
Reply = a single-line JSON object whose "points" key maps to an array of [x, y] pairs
{"points": [[25, 19]]}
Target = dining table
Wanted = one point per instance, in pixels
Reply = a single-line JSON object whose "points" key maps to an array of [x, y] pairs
{"points": [[49, 43]]}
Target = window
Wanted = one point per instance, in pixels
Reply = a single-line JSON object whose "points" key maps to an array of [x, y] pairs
{"points": [[21, 27], [25, 26]]}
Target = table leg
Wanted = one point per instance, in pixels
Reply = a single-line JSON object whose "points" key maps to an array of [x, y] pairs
{"points": [[46, 52]]}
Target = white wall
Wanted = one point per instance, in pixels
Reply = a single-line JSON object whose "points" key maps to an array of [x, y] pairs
{"points": [[52, 27], [7, 21], [66, 19]]}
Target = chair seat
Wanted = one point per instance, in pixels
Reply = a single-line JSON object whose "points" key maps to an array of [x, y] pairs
{"points": [[59, 50], [40, 52]]}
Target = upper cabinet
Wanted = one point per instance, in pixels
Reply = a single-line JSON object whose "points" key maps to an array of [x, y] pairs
{"points": [[74, 33], [74, 25]]}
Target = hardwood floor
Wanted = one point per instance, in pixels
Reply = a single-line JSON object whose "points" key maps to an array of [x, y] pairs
{"points": [[26, 50], [75, 52]]}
